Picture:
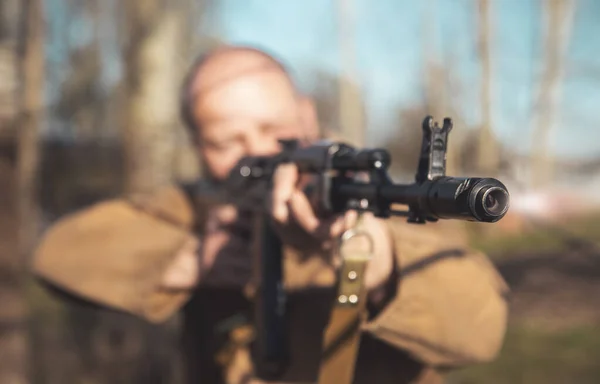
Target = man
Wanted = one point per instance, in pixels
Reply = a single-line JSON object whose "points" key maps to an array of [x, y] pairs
{"points": [[432, 303]]}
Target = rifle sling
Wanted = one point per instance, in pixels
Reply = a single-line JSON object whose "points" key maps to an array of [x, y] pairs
{"points": [[342, 335]]}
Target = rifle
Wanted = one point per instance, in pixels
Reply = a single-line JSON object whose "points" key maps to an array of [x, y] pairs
{"points": [[431, 197]]}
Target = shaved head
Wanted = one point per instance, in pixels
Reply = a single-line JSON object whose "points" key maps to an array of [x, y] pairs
{"points": [[222, 65], [240, 101]]}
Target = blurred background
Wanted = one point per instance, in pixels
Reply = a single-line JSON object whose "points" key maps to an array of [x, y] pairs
{"points": [[88, 111]]}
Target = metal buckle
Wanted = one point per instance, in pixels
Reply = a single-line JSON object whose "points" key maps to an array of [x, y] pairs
{"points": [[353, 268]]}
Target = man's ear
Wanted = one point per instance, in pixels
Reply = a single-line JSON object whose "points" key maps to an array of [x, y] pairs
{"points": [[308, 115]]}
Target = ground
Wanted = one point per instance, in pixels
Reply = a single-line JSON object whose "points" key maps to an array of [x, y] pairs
{"points": [[554, 337]]}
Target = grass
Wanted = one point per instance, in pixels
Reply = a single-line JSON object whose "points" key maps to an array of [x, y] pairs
{"points": [[540, 238], [534, 356], [531, 354], [535, 241]]}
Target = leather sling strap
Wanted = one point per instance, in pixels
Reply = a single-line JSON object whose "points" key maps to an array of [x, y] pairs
{"points": [[342, 335]]}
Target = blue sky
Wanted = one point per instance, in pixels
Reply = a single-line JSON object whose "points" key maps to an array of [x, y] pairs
{"points": [[388, 36]]}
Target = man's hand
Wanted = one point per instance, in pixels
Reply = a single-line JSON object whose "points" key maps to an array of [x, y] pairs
{"points": [[183, 272], [220, 259], [224, 259], [297, 222], [299, 226]]}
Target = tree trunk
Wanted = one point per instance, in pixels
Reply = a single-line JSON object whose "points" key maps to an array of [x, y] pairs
{"points": [[559, 20], [351, 109], [22, 47], [33, 81], [488, 151], [10, 13], [437, 89], [153, 63], [81, 101], [153, 74]]}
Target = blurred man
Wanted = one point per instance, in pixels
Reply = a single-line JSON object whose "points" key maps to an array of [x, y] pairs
{"points": [[433, 304]]}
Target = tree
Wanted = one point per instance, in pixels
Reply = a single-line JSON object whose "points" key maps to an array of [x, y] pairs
{"points": [[438, 83], [22, 32], [488, 158], [153, 45], [9, 64], [404, 142], [559, 19], [151, 79], [80, 103], [351, 107], [325, 95]]}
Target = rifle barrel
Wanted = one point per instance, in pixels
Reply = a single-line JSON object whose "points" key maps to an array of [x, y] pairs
{"points": [[471, 199]]}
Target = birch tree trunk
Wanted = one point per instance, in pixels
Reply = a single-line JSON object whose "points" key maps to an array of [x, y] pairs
{"points": [[351, 109], [436, 87], [558, 24], [153, 63], [153, 74], [488, 158], [187, 167]]}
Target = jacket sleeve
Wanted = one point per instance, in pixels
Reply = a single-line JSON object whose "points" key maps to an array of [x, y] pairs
{"points": [[115, 253], [449, 308]]}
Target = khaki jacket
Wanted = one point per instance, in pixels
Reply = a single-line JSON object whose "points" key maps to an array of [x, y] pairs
{"points": [[449, 309]]}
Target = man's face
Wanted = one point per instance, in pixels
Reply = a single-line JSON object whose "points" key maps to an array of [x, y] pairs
{"points": [[246, 116]]}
